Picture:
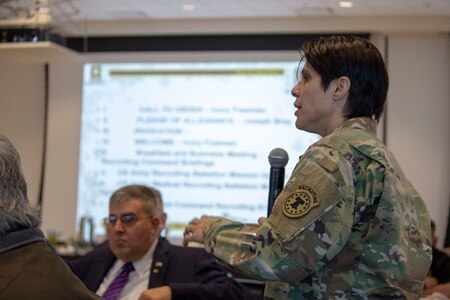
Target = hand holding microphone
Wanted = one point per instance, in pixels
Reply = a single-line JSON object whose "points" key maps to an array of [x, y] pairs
{"points": [[278, 159]]}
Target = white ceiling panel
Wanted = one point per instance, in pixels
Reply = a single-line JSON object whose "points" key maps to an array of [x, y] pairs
{"points": [[70, 11]]}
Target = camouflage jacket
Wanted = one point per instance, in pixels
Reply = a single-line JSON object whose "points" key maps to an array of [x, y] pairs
{"points": [[347, 225]]}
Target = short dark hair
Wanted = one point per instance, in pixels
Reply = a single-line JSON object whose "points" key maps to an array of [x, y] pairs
{"points": [[360, 61], [15, 210]]}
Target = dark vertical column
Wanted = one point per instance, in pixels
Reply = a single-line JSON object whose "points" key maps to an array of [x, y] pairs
{"points": [[385, 112], [447, 237], [44, 140]]}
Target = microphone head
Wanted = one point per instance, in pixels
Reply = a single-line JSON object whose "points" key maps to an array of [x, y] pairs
{"points": [[278, 158]]}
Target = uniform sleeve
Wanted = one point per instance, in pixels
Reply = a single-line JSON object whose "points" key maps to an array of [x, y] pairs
{"points": [[309, 224]]}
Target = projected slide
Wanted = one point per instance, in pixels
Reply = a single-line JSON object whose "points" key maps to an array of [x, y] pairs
{"points": [[198, 132]]}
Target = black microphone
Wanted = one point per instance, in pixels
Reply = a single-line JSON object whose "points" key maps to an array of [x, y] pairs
{"points": [[278, 159]]}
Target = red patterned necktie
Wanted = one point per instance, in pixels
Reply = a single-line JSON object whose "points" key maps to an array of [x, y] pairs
{"points": [[118, 283]]}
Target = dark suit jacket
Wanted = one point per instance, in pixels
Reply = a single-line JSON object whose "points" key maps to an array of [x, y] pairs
{"points": [[191, 273]]}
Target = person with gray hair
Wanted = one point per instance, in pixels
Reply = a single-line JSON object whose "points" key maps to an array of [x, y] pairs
{"points": [[30, 269], [15, 211]]}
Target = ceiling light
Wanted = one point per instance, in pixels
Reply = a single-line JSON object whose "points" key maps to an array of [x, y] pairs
{"points": [[345, 4], [188, 7]]}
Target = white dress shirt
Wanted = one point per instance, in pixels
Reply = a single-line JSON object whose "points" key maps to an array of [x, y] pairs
{"points": [[137, 279]]}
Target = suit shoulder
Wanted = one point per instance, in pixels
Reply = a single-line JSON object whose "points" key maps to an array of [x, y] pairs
{"points": [[187, 250], [101, 252]]}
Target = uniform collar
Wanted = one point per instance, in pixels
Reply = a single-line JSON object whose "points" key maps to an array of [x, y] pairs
{"points": [[364, 123]]}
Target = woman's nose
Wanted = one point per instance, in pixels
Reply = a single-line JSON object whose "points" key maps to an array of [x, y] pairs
{"points": [[295, 92]]}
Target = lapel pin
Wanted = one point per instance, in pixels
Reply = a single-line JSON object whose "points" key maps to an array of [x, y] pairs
{"points": [[158, 265]]}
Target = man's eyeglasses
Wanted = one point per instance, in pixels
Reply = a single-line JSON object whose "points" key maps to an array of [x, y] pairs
{"points": [[127, 220]]}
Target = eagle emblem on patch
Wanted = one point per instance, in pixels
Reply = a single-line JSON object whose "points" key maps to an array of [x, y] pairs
{"points": [[300, 202]]}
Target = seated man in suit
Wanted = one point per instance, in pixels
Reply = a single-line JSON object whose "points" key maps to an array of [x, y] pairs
{"points": [[29, 268], [159, 270]]}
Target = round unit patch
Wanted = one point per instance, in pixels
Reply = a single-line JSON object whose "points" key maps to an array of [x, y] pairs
{"points": [[300, 202]]}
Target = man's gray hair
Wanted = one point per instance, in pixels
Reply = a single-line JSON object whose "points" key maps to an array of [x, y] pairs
{"points": [[150, 197], [15, 210]]}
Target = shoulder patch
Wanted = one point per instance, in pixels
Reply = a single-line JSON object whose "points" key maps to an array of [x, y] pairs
{"points": [[301, 201]]}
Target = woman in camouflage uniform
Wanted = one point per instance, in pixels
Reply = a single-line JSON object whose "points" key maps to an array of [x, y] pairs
{"points": [[348, 224]]}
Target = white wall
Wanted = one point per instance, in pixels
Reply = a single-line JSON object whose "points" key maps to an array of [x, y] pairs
{"points": [[22, 106], [417, 120], [418, 117], [60, 184]]}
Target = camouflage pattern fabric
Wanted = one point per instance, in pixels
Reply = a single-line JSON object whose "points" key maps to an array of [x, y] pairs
{"points": [[347, 225]]}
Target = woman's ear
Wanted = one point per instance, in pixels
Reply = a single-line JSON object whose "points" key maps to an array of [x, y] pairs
{"points": [[341, 88]]}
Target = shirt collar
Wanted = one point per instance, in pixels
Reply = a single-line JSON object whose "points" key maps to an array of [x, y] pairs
{"points": [[145, 262]]}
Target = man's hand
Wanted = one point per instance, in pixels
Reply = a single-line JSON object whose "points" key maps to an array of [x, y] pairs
{"points": [[430, 282], [194, 231], [159, 293], [442, 288]]}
